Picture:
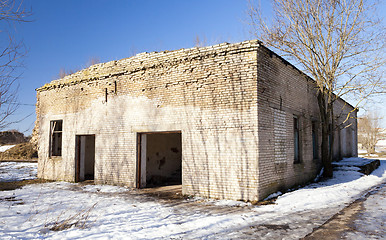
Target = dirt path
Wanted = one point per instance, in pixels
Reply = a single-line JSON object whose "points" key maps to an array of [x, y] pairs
{"points": [[353, 221]]}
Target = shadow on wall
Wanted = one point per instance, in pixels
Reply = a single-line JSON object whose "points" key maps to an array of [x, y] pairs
{"points": [[220, 165]]}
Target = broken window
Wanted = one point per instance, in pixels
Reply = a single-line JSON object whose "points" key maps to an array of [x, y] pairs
{"points": [[296, 140], [56, 138]]}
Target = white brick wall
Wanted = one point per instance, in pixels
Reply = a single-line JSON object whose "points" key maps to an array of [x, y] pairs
{"points": [[232, 103], [209, 100]]}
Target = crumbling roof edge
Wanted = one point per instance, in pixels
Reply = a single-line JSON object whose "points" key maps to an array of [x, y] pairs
{"points": [[148, 60]]}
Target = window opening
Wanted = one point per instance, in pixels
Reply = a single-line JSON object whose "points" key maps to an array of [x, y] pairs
{"points": [[56, 138], [160, 159], [296, 140]]}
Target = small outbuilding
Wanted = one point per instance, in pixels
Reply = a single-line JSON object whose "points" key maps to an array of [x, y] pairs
{"points": [[233, 121]]}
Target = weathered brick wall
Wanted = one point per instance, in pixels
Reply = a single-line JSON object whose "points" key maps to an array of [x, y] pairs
{"points": [[233, 104], [345, 136], [284, 92], [209, 94]]}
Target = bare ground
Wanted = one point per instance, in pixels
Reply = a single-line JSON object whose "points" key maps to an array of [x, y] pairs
{"points": [[7, 186]]}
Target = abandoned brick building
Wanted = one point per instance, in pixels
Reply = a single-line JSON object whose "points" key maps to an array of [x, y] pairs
{"points": [[232, 121]]}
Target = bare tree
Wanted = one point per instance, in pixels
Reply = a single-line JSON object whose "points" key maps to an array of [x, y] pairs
{"points": [[63, 72], [369, 131], [92, 61], [11, 53], [132, 51], [339, 43]]}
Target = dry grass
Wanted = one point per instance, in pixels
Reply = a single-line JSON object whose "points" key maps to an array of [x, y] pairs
{"points": [[7, 186], [13, 199], [20, 151], [80, 220]]}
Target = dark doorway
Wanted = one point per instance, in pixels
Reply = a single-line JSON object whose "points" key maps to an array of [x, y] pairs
{"points": [[159, 159], [84, 157]]}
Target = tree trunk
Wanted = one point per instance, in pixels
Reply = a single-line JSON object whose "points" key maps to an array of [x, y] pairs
{"points": [[328, 169], [325, 151], [372, 150]]}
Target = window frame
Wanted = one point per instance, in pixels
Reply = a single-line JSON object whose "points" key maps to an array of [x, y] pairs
{"points": [[56, 137], [296, 139]]}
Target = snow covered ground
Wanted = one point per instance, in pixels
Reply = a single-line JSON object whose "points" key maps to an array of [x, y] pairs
{"points": [[381, 143], [381, 146], [362, 151], [108, 212], [17, 171]]}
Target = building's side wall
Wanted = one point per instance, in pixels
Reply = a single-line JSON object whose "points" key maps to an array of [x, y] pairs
{"points": [[208, 94], [285, 93], [345, 131]]}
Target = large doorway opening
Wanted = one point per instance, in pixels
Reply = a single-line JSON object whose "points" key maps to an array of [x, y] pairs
{"points": [[159, 159], [84, 157]]}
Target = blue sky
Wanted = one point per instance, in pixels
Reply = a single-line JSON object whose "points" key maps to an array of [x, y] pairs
{"points": [[66, 34]]}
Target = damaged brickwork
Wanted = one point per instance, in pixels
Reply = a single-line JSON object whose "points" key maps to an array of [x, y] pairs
{"points": [[224, 101]]}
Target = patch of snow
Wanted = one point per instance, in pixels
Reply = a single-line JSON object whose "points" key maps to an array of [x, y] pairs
{"points": [[223, 202], [6, 147], [362, 151], [273, 195], [347, 168], [112, 213], [104, 188], [354, 161], [343, 188], [320, 174], [381, 143], [17, 171], [230, 203], [196, 199]]}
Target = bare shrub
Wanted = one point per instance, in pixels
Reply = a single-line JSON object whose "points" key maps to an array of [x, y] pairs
{"points": [[80, 219], [24, 151], [200, 42], [63, 72], [92, 61]]}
